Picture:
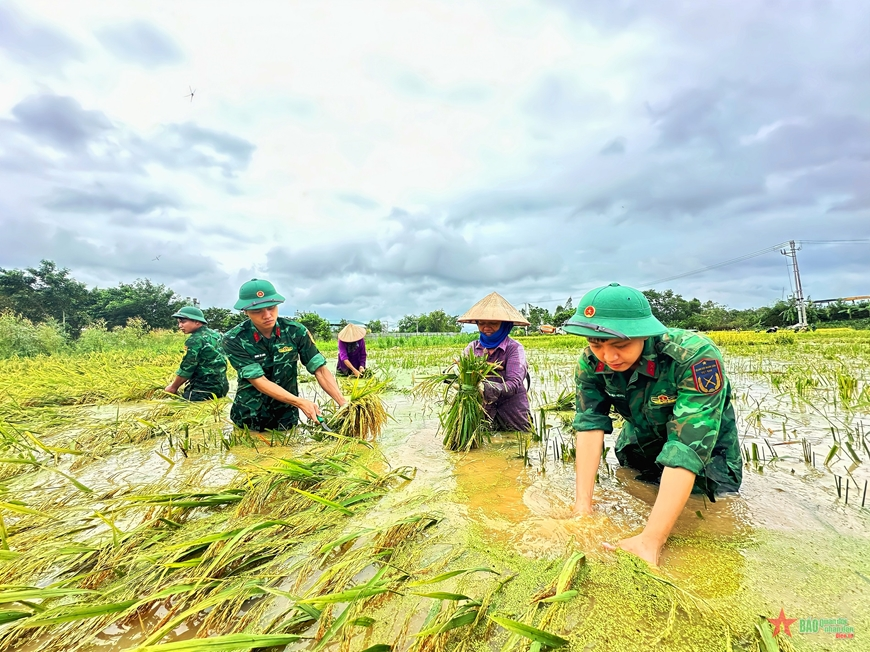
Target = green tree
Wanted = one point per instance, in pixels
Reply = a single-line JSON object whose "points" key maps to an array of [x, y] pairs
{"points": [[223, 319], [562, 314], [44, 293], [672, 309], [153, 303], [375, 326], [538, 316], [436, 321], [317, 325]]}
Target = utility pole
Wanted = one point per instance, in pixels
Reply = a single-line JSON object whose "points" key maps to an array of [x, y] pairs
{"points": [[791, 252]]}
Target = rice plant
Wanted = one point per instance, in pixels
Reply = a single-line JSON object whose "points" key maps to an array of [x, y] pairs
{"points": [[463, 417], [364, 416]]}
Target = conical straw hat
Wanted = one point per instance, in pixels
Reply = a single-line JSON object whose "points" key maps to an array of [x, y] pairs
{"points": [[493, 307], [351, 333]]}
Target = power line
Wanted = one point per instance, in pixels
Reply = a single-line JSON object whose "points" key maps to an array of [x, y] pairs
{"points": [[724, 263], [754, 254], [730, 261], [864, 241]]}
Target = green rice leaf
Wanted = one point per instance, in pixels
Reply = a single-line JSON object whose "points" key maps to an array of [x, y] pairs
{"points": [[179, 588], [67, 615], [561, 597], [437, 595], [337, 543], [78, 485], [567, 574], [529, 632], [360, 498], [324, 501], [20, 508], [766, 641], [363, 621], [380, 647], [32, 593], [334, 629], [448, 575], [463, 619], [233, 592], [346, 596], [221, 643], [11, 616]]}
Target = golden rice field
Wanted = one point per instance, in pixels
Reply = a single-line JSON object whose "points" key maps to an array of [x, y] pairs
{"points": [[130, 520]]}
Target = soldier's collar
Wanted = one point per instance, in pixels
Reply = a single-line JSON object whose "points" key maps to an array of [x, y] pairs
{"points": [[648, 365], [276, 331]]}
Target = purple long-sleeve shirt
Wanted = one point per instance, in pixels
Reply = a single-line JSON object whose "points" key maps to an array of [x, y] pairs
{"points": [[353, 351], [507, 401]]}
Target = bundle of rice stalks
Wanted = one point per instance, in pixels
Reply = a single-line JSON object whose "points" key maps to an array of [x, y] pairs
{"points": [[364, 416], [463, 418], [563, 403]]}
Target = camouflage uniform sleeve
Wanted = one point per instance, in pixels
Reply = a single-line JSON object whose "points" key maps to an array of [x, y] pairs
{"points": [[192, 347], [241, 360], [308, 353], [592, 403], [694, 427]]}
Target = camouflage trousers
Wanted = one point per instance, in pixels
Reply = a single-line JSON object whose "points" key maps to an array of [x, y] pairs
{"points": [[203, 393], [255, 411], [722, 474]]}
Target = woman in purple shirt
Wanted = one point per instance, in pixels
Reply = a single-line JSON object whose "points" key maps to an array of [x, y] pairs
{"points": [[351, 351], [505, 396]]}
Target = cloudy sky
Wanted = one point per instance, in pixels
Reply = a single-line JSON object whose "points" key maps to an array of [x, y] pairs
{"points": [[377, 158]]}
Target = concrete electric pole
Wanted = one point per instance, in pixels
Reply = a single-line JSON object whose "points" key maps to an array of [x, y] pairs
{"points": [[791, 252]]}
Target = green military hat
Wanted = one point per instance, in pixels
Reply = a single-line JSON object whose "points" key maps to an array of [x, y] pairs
{"points": [[614, 311], [256, 294], [191, 312]]}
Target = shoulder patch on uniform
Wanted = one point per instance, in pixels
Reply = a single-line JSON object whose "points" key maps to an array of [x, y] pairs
{"points": [[310, 336], [707, 374]]}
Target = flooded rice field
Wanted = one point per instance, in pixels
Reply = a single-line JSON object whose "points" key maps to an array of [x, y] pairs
{"points": [[134, 522]]}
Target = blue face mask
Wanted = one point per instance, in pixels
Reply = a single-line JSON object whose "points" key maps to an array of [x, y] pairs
{"points": [[492, 341]]}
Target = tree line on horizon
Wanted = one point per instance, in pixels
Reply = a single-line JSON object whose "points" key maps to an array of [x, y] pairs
{"points": [[49, 293]]}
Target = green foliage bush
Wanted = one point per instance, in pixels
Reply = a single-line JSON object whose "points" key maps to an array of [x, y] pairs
{"points": [[20, 337], [317, 325]]}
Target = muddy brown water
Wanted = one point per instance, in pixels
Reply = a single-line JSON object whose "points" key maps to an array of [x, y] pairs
{"points": [[786, 541]]}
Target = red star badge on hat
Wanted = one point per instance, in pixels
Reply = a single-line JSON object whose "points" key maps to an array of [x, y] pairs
{"points": [[590, 311], [782, 621], [260, 293]]}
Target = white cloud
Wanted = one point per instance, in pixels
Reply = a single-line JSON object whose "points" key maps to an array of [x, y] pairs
{"points": [[551, 146]]}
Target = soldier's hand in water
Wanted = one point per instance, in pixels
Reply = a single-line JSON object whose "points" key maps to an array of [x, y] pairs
{"points": [[309, 408], [638, 545]]}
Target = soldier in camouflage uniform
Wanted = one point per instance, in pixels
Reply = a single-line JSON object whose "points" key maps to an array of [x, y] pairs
{"points": [[265, 350], [203, 369], [669, 386]]}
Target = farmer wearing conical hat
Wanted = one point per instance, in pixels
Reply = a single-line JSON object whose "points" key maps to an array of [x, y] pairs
{"points": [[670, 387], [351, 351], [264, 350], [203, 369], [505, 398]]}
